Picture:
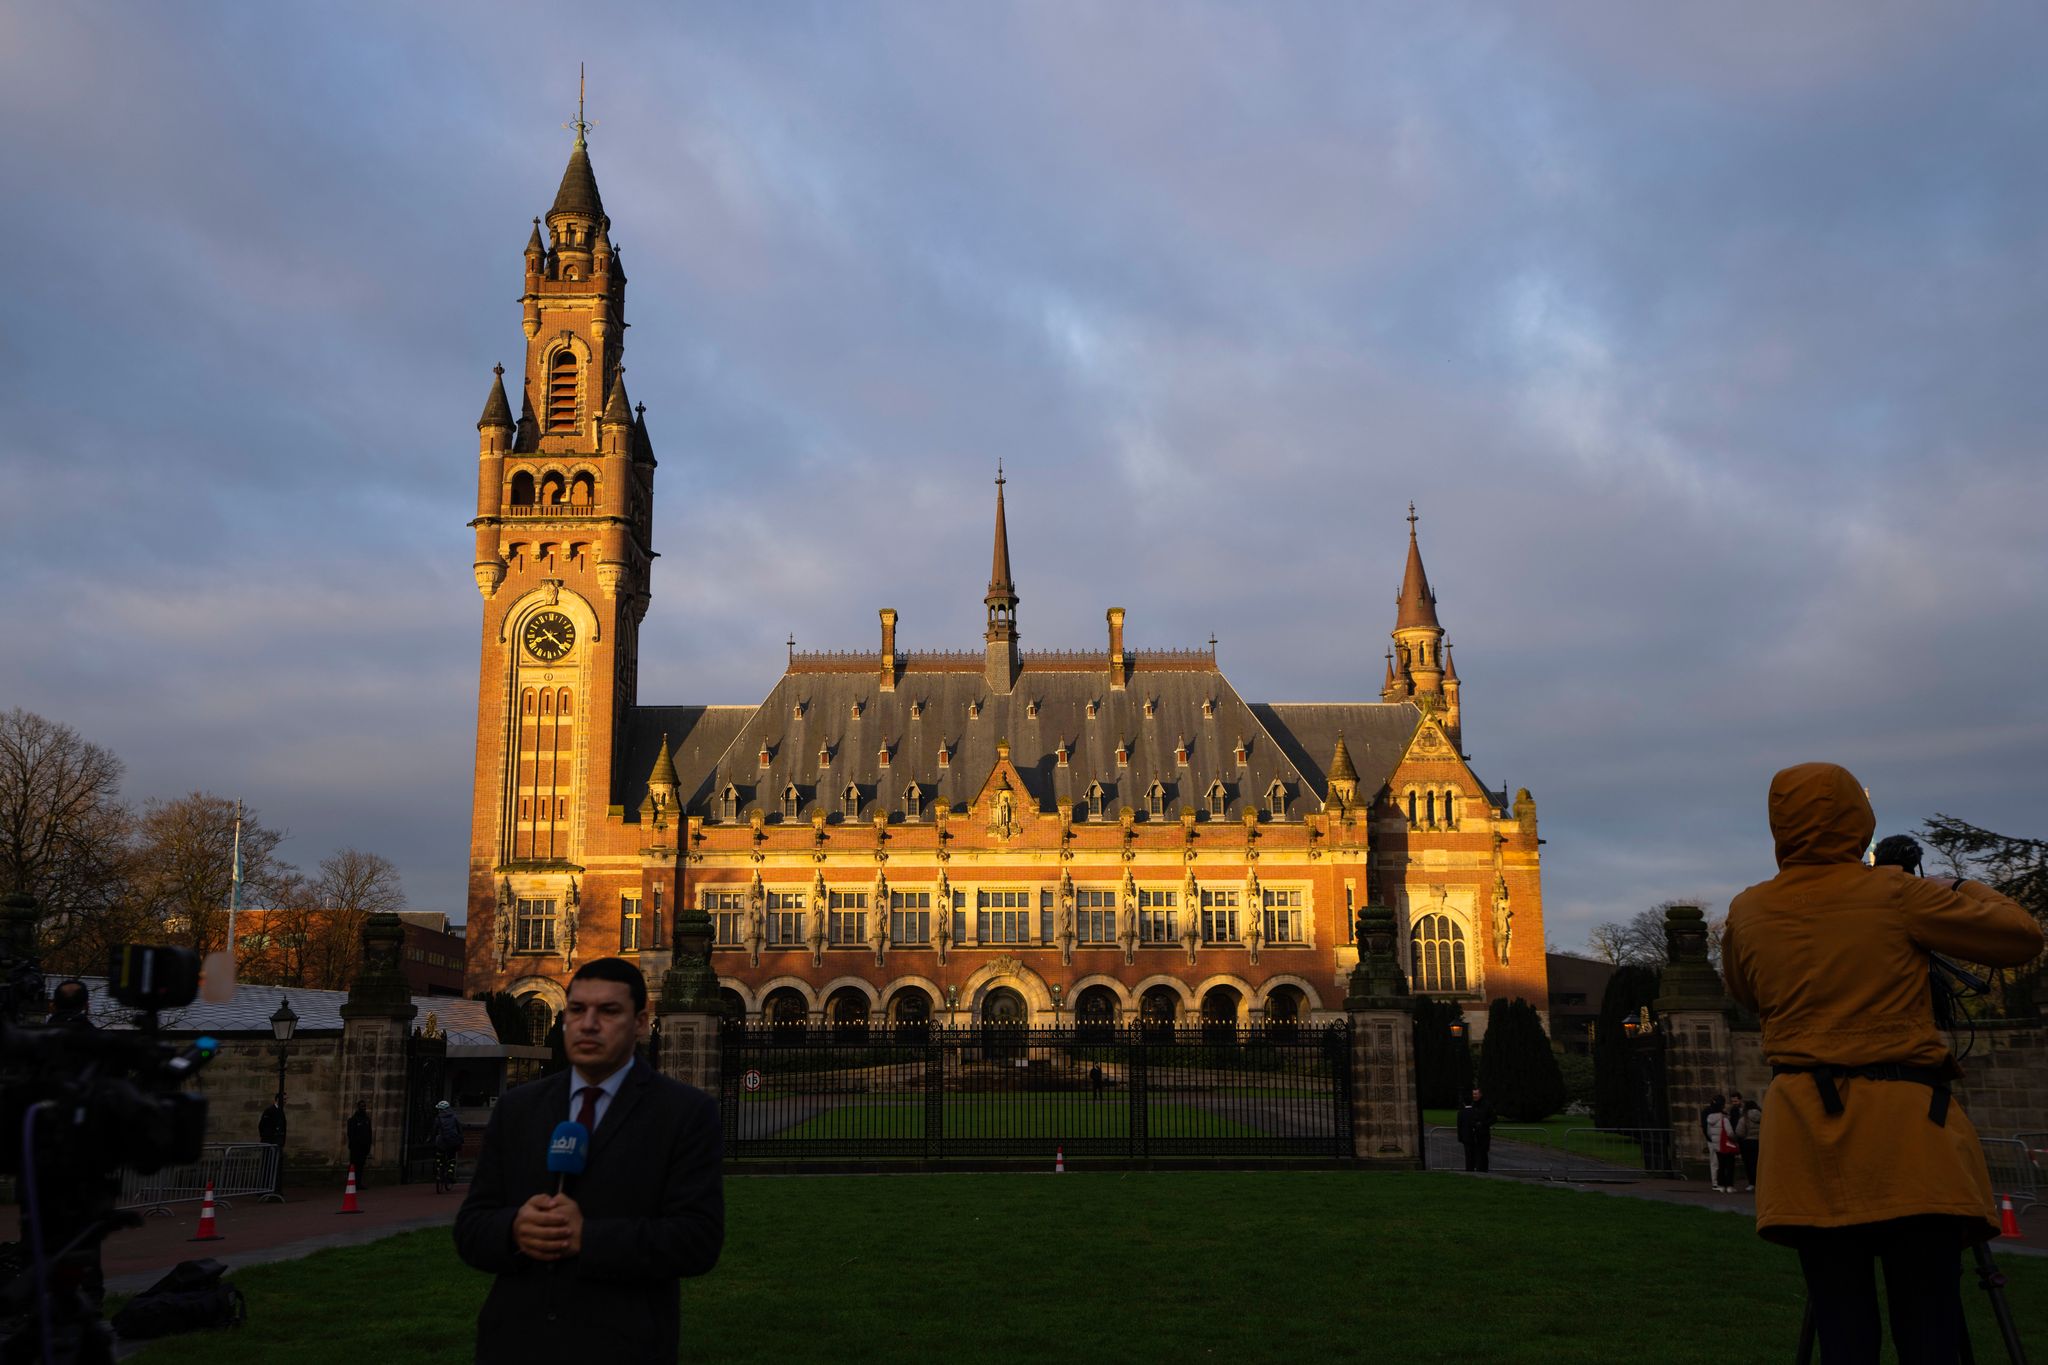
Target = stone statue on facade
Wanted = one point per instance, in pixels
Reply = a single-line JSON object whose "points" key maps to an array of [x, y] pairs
{"points": [[1503, 921], [817, 933], [572, 914], [1191, 917], [1254, 925], [754, 928], [878, 918], [508, 910], [1002, 813], [1127, 920], [942, 917], [1063, 924]]}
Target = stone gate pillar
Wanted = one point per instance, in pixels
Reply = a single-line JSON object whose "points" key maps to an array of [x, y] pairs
{"points": [[24, 976], [374, 1022], [1693, 1012], [689, 1006], [1386, 1124]]}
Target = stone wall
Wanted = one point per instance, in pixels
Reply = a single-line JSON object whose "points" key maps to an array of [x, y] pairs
{"points": [[240, 1080]]}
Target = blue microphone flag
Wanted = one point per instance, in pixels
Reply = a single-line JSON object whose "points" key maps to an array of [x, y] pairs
{"points": [[568, 1149]]}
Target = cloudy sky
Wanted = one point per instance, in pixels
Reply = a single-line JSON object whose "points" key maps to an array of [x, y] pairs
{"points": [[1709, 344]]}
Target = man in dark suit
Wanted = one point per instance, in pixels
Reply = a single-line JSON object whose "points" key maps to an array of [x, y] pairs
{"points": [[593, 1273], [1475, 1131]]}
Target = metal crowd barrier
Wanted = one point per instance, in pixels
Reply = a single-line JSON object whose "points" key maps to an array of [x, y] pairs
{"points": [[236, 1170], [2016, 1164]]}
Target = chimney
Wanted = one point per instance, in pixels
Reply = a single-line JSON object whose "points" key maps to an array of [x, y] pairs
{"points": [[888, 649], [1116, 649]]}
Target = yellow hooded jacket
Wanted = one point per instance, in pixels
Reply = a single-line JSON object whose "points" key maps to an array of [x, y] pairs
{"points": [[1832, 955]]}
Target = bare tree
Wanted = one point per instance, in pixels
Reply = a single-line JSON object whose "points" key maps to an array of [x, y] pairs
{"points": [[185, 853], [64, 838], [352, 886], [1639, 940]]}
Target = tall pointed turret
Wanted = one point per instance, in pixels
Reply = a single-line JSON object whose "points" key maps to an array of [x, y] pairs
{"points": [[1343, 776], [1418, 637], [1003, 661]]}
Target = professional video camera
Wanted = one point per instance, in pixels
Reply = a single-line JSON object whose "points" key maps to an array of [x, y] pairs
{"points": [[77, 1106]]}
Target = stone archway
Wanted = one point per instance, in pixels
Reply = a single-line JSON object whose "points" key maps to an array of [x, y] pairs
{"points": [[1004, 1019]]}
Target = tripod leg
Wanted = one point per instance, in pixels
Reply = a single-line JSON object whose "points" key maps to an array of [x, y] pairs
{"points": [[1994, 1284], [1805, 1355]]}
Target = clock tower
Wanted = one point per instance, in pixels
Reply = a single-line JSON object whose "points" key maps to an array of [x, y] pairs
{"points": [[564, 495]]}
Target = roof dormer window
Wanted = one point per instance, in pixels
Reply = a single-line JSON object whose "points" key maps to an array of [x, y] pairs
{"points": [[1094, 800], [913, 802], [1217, 800], [789, 802], [1155, 801]]}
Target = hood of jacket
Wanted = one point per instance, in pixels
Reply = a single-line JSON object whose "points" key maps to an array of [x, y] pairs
{"points": [[1819, 815]]}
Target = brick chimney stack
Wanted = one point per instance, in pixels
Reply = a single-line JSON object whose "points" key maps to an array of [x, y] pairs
{"points": [[888, 649], [1116, 649]]}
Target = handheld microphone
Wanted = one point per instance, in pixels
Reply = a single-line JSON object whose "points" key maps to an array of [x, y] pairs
{"points": [[568, 1149]]}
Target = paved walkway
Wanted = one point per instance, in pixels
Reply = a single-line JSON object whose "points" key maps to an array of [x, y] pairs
{"points": [[253, 1232]]}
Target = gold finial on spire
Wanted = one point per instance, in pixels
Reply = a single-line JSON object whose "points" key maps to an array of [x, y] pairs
{"points": [[1411, 521], [581, 125]]}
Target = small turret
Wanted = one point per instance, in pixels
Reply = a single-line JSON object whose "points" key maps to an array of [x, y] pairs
{"points": [[1418, 637], [1343, 777]]}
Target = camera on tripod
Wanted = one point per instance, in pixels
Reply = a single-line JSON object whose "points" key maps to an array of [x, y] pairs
{"points": [[78, 1105]]}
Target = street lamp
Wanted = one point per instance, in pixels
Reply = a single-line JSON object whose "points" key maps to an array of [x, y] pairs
{"points": [[1457, 1031], [282, 1024]]}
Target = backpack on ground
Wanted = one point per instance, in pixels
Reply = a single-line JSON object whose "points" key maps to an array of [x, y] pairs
{"points": [[191, 1298]]}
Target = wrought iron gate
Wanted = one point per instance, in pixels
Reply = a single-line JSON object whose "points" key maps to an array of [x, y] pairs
{"points": [[919, 1094], [426, 1063]]}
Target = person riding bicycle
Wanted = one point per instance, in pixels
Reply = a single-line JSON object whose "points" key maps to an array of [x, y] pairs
{"points": [[447, 1140]]}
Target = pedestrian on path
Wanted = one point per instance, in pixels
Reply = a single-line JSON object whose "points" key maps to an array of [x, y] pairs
{"points": [[1749, 1130], [359, 1137], [1721, 1139], [1716, 1105], [1475, 1130]]}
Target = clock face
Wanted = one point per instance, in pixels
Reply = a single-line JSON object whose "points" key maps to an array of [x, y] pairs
{"points": [[549, 636]]}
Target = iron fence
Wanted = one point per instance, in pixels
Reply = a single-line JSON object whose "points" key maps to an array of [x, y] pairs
{"points": [[236, 1170], [1005, 1093]]}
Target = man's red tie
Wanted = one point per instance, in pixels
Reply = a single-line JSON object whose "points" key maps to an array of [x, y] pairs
{"points": [[587, 1115]]}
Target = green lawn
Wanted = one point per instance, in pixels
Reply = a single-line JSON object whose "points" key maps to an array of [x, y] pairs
{"points": [[1137, 1267]]}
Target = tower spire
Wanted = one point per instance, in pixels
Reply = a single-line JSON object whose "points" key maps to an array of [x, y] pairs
{"points": [[1418, 636], [1002, 661]]}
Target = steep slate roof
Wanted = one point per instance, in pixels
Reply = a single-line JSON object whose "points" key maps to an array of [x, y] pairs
{"points": [[497, 410], [1376, 733], [697, 736]]}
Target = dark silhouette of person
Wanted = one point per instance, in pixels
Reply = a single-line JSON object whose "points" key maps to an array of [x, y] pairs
{"points": [[360, 1135], [1475, 1130]]}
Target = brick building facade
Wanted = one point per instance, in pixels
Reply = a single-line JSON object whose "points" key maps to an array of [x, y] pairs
{"points": [[990, 834]]}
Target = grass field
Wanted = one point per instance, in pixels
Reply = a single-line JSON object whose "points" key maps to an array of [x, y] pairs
{"points": [[1136, 1267]]}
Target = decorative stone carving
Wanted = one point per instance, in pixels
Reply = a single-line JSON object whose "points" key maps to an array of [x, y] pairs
{"points": [[1002, 813], [816, 931], [942, 917], [878, 918], [1127, 919], [1254, 917], [1063, 925], [1503, 921], [571, 918], [508, 910], [755, 932], [1191, 920]]}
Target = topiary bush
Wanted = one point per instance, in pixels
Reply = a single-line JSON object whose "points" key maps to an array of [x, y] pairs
{"points": [[1443, 1064], [1517, 1069]]}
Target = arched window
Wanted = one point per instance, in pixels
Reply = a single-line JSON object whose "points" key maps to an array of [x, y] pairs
{"points": [[1155, 801], [562, 702], [913, 802], [849, 802], [1276, 799], [732, 1008], [522, 489], [562, 387], [551, 489], [1411, 808], [1219, 1013], [1444, 809], [787, 1014], [729, 803], [1216, 800], [1429, 807], [1158, 1008], [912, 1009], [1285, 1006], [1439, 946], [582, 490], [848, 1011], [1094, 800], [789, 802], [540, 1017]]}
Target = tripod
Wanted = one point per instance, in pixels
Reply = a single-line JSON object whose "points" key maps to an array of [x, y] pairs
{"points": [[1989, 1278]]}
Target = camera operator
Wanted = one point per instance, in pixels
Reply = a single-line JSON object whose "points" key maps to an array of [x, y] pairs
{"points": [[1869, 1157], [71, 1005]]}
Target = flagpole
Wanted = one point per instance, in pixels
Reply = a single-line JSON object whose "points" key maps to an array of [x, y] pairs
{"points": [[235, 887]]}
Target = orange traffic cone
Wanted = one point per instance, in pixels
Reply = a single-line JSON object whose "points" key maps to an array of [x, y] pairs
{"points": [[2008, 1225], [348, 1196], [206, 1231], [1059, 1161]]}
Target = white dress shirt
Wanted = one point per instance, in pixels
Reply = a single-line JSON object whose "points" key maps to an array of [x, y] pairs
{"points": [[608, 1090]]}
